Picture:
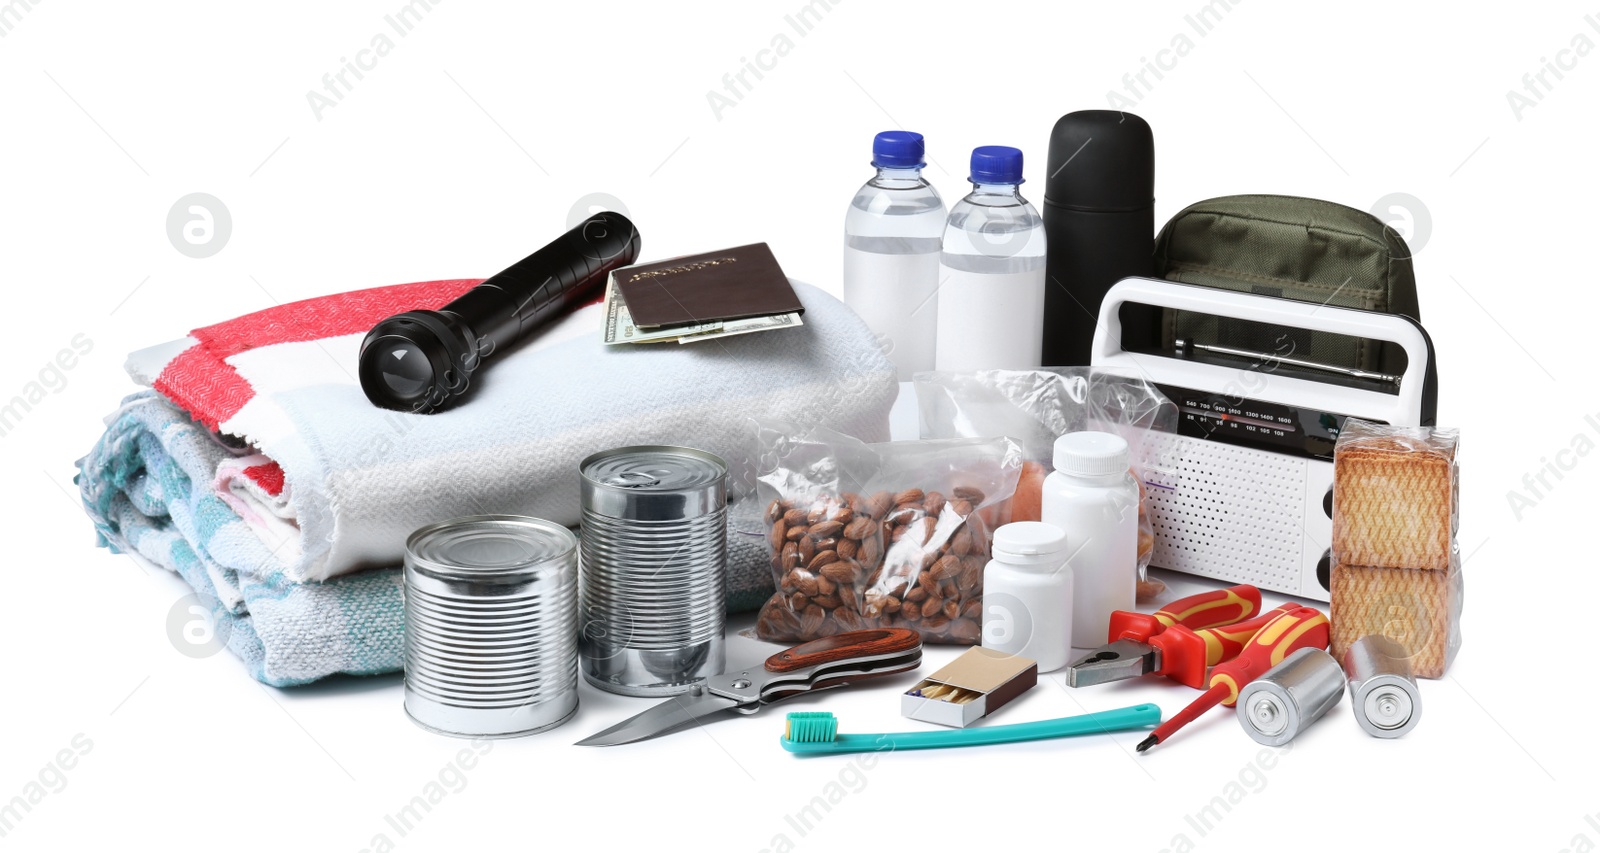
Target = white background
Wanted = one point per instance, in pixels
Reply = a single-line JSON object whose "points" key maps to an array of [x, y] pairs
{"points": [[467, 146]]}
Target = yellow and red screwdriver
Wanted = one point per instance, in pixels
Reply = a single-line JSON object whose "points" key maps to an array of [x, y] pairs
{"points": [[1288, 631], [1178, 641]]}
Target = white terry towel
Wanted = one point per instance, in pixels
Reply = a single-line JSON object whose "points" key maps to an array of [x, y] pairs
{"points": [[340, 484]]}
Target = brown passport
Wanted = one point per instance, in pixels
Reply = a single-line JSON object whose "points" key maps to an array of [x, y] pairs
{"points": [[730, 284]]}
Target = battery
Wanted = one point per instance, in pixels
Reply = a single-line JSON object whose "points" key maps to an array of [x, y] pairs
{"points": [[1383, 690], [655, 565], [1275, 708], [491, 639]]}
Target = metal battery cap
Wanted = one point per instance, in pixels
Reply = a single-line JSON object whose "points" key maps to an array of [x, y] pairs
{"points": [[654, 483], [1387, 704]]}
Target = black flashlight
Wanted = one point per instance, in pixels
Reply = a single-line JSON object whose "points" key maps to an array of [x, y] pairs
{"points": [[423, 361]]}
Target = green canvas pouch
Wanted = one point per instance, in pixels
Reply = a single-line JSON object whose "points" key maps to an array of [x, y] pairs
{"points": [[1296, 248]]}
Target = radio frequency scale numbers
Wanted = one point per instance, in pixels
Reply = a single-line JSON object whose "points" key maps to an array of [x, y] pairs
{"points": [[1212, 415], [1239, 420]]}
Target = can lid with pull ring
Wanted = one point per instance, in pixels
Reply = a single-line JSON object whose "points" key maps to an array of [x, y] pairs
{"points": [[654, 483]]}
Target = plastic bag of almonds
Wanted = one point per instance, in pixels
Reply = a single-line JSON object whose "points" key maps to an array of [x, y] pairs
{"points": [[1034, 407], [881, 535]]}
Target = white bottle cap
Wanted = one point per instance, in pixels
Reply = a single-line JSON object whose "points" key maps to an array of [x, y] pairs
{"points": [[1022, 541], [1091, 454]]}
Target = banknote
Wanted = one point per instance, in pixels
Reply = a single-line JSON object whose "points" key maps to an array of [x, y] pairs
{"points": [[620, 329]]}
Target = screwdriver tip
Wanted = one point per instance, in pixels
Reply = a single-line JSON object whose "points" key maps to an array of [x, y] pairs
{"points": [[1146, 744]]}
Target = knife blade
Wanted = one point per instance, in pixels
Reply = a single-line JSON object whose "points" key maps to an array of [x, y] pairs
{"points": [[670, 714]]}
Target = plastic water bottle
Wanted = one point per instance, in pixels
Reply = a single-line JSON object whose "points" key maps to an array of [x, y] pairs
{"points": [[891, 252], [991, 271]]}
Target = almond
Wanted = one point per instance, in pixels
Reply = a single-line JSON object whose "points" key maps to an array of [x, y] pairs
{"points": [[795, 518], [961, 508], [848, 549], [839, 573], [969, 494], [903, 515], [825, 529], [961, 543], [795, 534], [827, 601], [931, 606], [891, 605], [808, 551], [969, 580], [972, 609], [820, 559], [951, 609], [909, 496], [933, 504], [778, 534], [871, 551], [880, 504], [811, 620], [916, 594], [860, 528], [824, 586], [790, 555], [805, 583], [797, 601], [946, 568], [775, 511]]}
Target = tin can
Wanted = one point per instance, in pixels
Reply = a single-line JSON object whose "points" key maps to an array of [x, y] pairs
{"points": [[1275, 708], [1383, 691], [491, 626], [655, 566]]}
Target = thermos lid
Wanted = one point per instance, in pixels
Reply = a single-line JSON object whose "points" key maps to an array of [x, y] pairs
{"points": [[1101, 160]]}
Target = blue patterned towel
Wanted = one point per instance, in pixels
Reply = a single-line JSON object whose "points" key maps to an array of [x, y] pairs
{"points": [[147, 487]]}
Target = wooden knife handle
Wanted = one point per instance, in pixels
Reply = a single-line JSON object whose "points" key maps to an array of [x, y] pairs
{"points": [[846, 646]]}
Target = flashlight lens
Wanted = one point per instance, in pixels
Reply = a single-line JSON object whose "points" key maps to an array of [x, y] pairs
{"points": [[405, 369]]}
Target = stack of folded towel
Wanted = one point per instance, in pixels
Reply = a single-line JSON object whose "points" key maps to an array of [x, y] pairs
{"points": [[255, 468]]}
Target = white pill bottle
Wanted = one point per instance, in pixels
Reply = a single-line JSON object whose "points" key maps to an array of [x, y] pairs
{"points": [[1094, 498]]}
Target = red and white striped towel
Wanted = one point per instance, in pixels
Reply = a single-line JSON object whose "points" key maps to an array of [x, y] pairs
{"points": [[337, 484]]}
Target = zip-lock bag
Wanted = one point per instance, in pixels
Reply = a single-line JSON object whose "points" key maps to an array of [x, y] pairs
{"points": [[1295, 248]]}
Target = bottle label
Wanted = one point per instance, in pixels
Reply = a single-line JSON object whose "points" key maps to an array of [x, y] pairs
{"points": [[895, 295]]}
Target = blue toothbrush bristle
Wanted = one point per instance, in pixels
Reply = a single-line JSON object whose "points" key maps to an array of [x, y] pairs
{"points": [[811, 727]]}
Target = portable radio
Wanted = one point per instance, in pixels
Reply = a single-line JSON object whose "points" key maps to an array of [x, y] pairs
{"points": [[1244, 491]]}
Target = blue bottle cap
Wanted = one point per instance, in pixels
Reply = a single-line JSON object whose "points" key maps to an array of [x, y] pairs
{"points": [[996, 164], [897, 149]]}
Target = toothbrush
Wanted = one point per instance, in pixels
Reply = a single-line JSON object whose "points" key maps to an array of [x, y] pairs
{"points": [[817, 732]]}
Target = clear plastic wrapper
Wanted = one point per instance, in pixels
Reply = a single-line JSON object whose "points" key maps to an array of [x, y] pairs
{"points": [[879, 535], [1033, 408], [1397, 567]]}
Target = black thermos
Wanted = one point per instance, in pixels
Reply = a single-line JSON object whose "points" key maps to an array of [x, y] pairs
{"points": [[1099, 223]]}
